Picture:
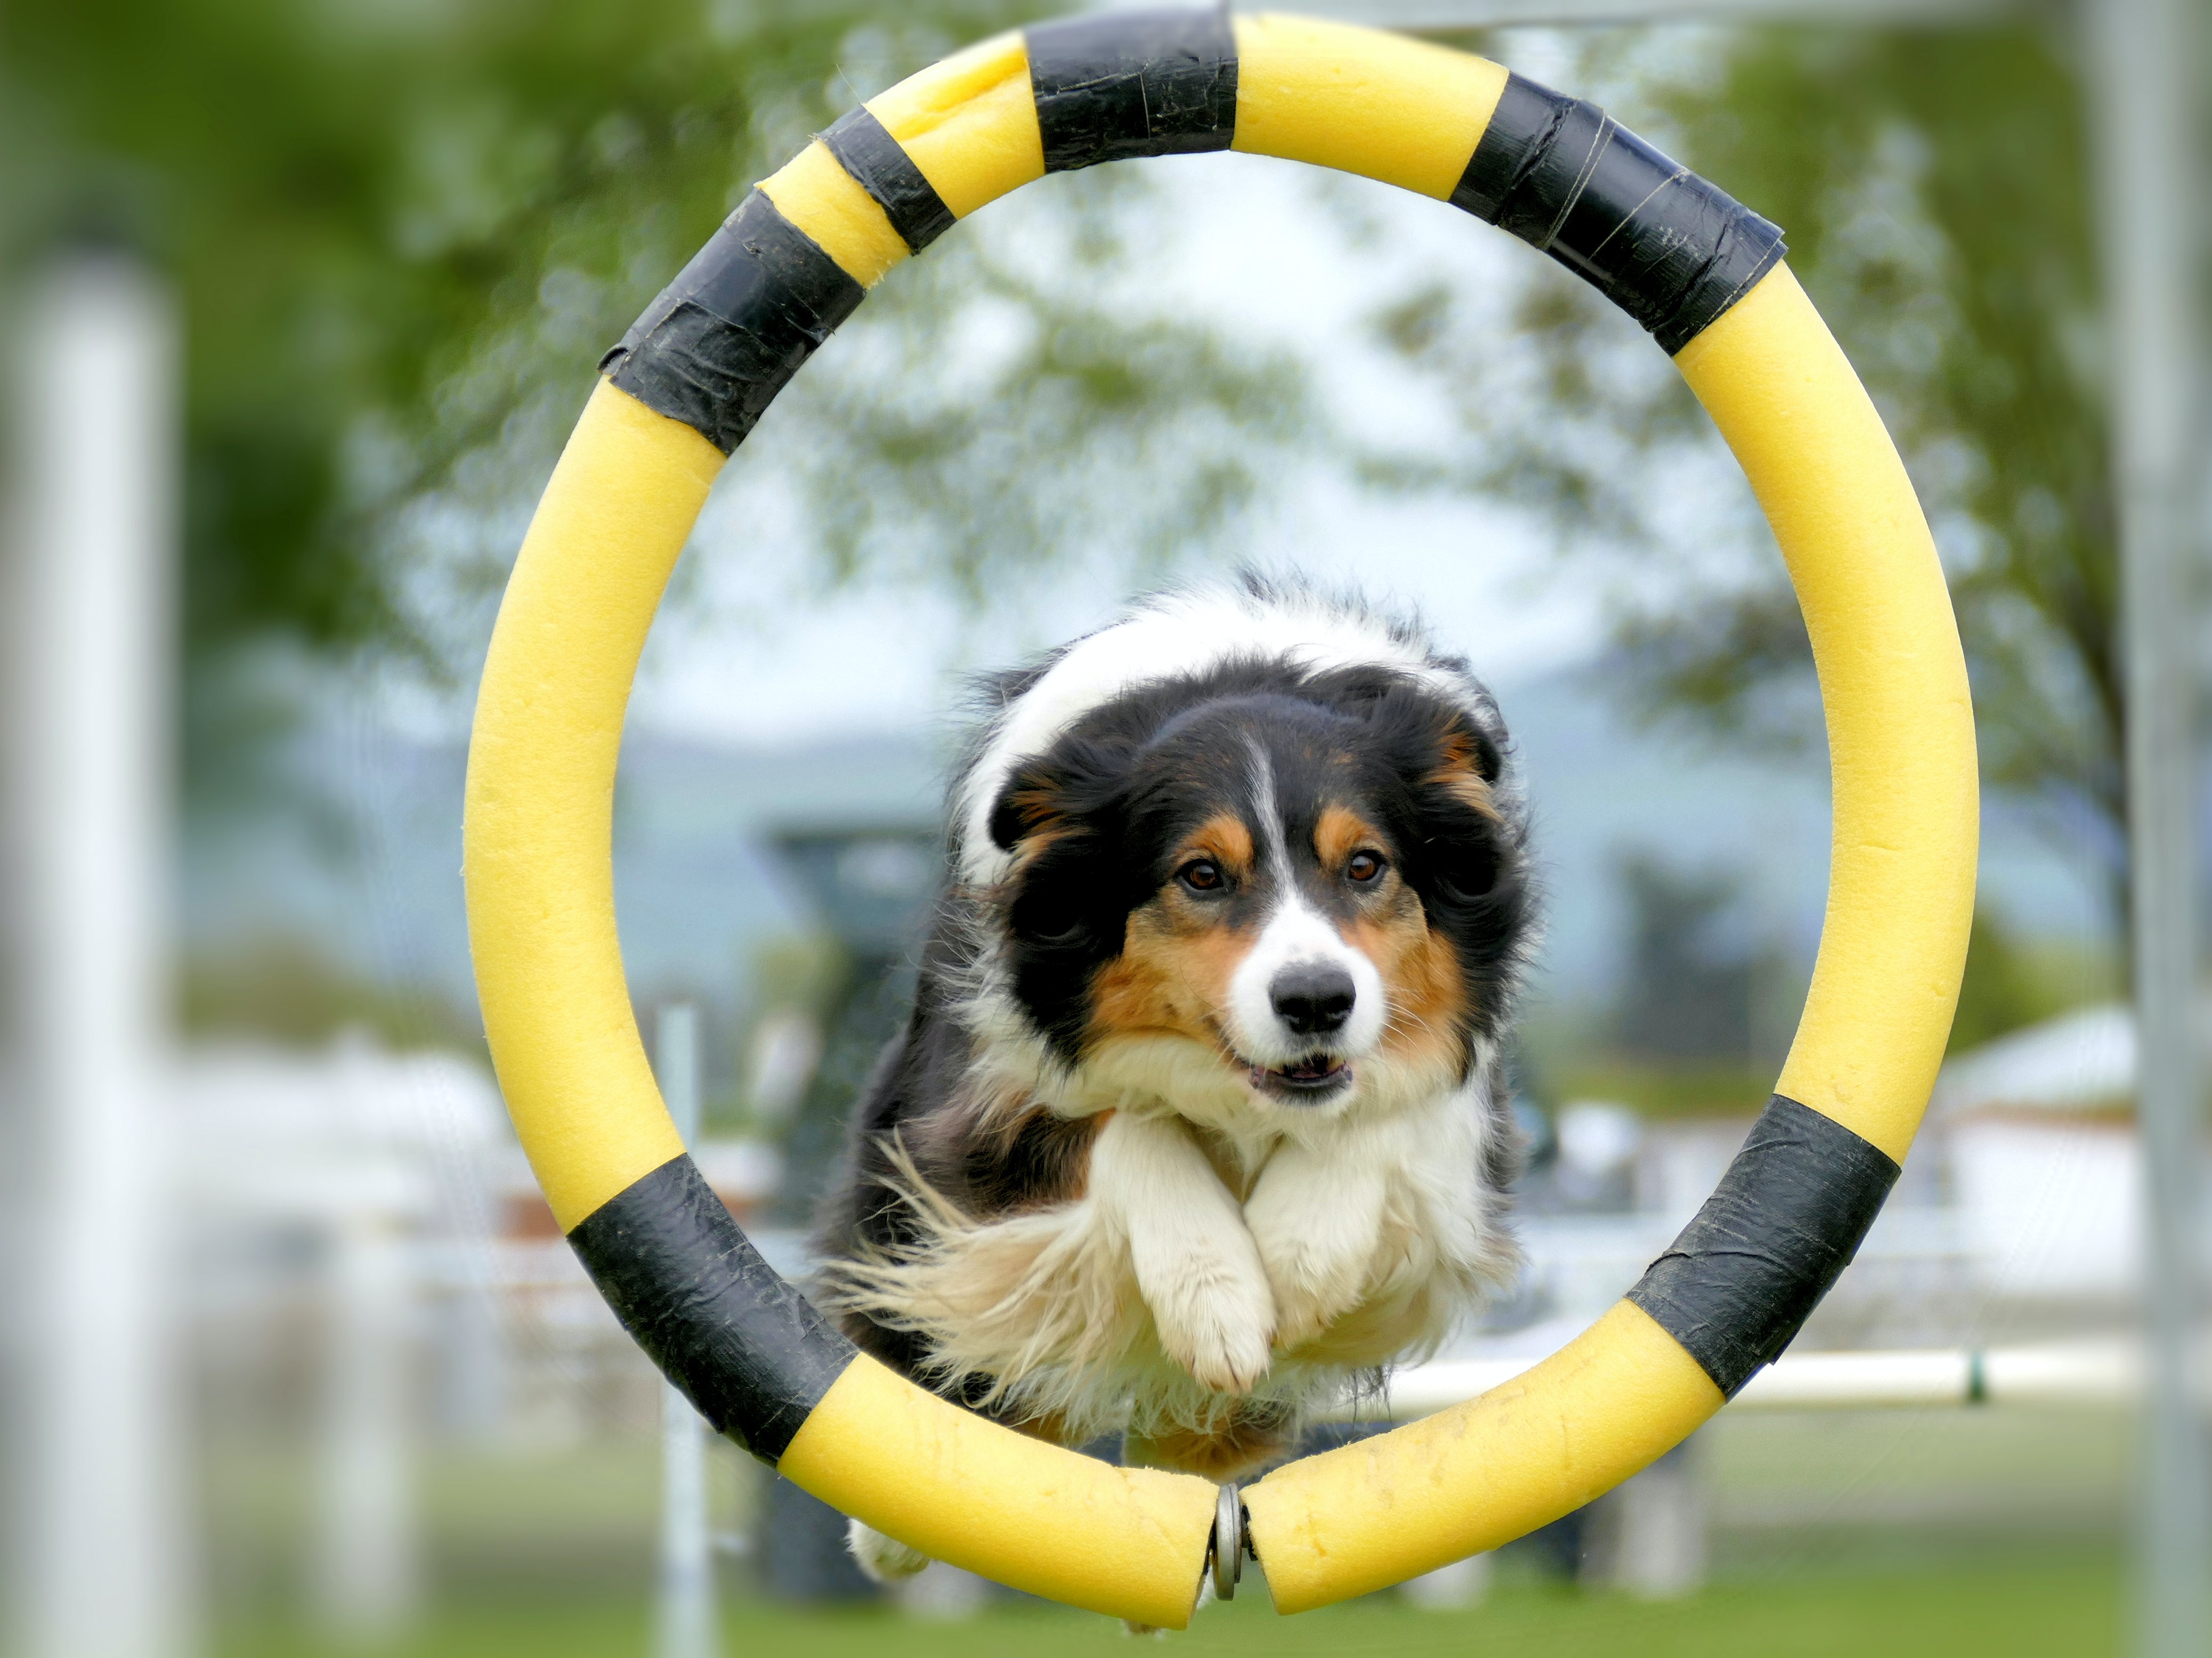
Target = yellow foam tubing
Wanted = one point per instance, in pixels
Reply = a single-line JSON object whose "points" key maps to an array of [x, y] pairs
{"points": [[1130, 1542], [1900, 899], [1901, 882], [537, 836], [1480, 1474], [1360, 100], [1907, 798]]}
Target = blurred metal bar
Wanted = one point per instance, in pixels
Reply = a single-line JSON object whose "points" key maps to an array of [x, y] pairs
{"points": [[1436, 14], [98, 1539], [684, 1615], [2088, 1373], [2149, 184]]}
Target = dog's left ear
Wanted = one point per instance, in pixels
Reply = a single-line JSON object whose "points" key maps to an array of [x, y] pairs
{"points": [[1467, 846]]}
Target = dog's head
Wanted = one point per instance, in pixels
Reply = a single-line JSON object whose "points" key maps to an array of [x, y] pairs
{"points": [[1284, 890]]}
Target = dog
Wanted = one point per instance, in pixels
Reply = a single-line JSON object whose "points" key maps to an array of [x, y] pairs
{"points": [[1199, 1118]]}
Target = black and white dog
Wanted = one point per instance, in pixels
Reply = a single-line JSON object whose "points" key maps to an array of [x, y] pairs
{"points": [[1200, 1115]]}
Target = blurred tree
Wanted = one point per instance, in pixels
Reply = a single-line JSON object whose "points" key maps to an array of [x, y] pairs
{"points": [[404, 230], [2005, 988], [293, 990], [1932, 185], [1692, 969]]}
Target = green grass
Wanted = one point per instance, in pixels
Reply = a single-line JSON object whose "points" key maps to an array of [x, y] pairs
{"points": [[2070, 1610], [1875, 1534]]}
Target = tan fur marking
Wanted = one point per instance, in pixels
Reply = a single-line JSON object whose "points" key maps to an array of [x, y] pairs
{"points": [[1461, 776], [1339, 833], [1035, 808], [1170, 979], [1172, 976], [1053, 1427], [1238, 1447], [1421, 973], [1036, 842], [1224, 838]]}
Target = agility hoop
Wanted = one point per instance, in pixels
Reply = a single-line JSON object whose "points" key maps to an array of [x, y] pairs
{"points": [[1701, 273]]}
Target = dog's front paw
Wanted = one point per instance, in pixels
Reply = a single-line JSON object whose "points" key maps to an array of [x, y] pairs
{"points": [[884, 1559], [1219, 1325], [1312, 1290], [1317, 1223]]}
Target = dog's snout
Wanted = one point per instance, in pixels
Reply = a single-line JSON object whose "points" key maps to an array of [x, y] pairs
{"points": [[1312, 998]]}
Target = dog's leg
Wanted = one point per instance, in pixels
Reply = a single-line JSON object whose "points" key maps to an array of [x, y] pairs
{"points": [[1194, 1263], [884, 1559], [1316, 1217]]}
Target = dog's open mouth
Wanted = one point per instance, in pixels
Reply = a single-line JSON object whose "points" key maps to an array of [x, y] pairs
{"points": [[1303, 1082]]}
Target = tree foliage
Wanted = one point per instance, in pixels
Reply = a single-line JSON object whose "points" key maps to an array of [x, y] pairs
{"points": [[404, 230], [1932, 185]]}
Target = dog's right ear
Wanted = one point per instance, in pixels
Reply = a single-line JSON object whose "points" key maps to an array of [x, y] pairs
{"points": [[1032, 803], [1063, 910]]}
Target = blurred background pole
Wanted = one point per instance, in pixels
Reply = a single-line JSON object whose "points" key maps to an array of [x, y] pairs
{"points": [[2149, 184], [99, 1562], [683, 1616], [365, 1575]]}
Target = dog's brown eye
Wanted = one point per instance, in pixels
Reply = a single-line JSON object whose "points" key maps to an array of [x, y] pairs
{"points": [[1201, 875], [1364, 865]]}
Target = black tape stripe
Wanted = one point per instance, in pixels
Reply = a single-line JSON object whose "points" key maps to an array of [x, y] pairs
{"points": [[748, 1350], [1662, 244], [738, 321], [1134, 83], [1785, 1220], [879, 165]]}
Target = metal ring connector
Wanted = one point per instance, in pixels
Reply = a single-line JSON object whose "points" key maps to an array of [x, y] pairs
{"points": [[1226, 1557]]}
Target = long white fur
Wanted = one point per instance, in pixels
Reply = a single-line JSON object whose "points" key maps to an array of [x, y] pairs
{"points": [[1143, 1302], [1195, 1264], [884, 1559]]}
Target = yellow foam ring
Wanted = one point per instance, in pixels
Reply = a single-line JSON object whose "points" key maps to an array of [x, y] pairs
{"points": [[1130, 1542], [969, 122], [539, 863], [1893, 684], [1350, 1521], [814, 191], [537, 853], [1362, 102]]}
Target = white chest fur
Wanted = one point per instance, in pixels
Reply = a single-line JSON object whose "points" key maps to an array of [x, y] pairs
{"points": [[1160, 1300]]}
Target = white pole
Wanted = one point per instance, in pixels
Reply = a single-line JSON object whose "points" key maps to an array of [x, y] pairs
{"points": [[684, 1616], [2149, 185], [366, 1571], [98, 1548]]}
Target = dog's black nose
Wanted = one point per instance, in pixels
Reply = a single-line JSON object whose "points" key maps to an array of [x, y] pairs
{"points": [[1312, 998]]}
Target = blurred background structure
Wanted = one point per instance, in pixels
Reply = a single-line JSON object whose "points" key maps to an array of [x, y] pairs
{"points": [[301, 299]]}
